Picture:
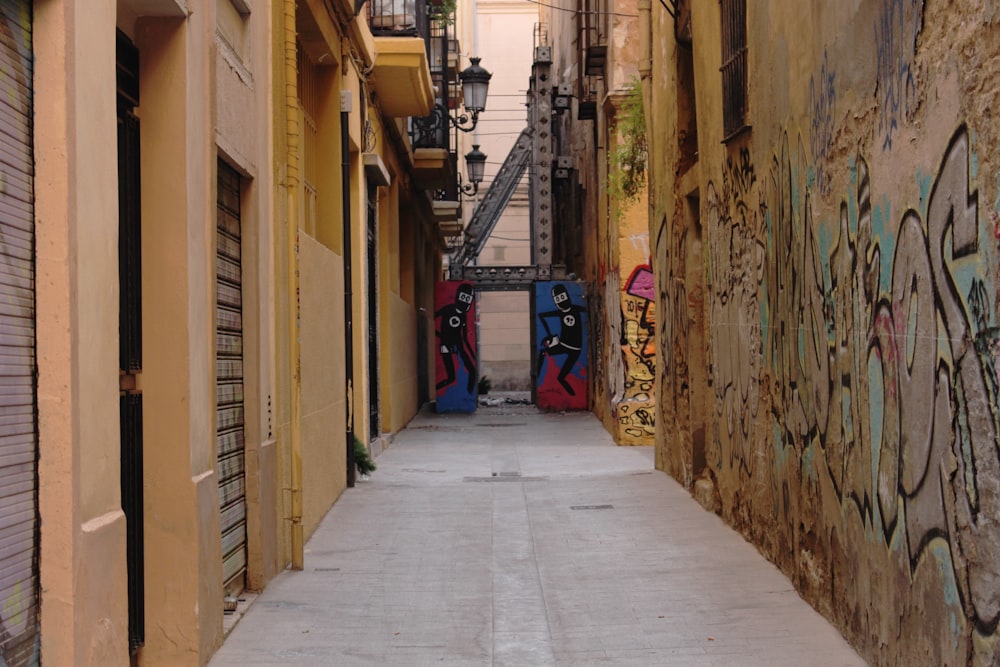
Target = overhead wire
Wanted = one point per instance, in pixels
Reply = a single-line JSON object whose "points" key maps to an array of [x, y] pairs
{"points": [[577, 11]]}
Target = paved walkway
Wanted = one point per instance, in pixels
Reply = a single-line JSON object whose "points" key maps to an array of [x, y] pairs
{"points": [[515, 538]]}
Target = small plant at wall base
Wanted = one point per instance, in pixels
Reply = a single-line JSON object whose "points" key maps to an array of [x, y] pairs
{"points": [[362, 461], [485, 384], [627, 163]]}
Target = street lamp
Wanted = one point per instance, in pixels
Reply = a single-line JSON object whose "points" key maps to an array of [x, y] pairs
{"points": [[475, 162], [429, 131], [475, 84]]}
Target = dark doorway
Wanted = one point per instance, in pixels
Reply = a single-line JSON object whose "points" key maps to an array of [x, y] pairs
{"points": [[130, 332], [374, 421]]}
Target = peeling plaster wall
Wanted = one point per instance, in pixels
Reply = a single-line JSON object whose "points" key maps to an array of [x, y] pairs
{"points": [[849, 315]]}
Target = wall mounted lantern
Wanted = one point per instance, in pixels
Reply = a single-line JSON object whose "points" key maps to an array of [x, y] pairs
{"points": [[475, 85], [475, 163]]}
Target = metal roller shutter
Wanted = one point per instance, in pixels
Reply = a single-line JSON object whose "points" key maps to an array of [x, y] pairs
{"points": [[229, 383], [18, 433]]}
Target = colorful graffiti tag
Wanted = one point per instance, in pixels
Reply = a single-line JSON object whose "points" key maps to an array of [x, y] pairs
{"points": [[561, 325], [455, 331], [636, 409]]}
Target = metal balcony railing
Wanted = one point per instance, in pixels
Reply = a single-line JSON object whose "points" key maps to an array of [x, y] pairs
{"points": [[435, 130], [398, 18]]}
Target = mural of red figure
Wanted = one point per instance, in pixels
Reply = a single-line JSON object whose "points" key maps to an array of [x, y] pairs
{"points": [[454, 323], [562, 354]]}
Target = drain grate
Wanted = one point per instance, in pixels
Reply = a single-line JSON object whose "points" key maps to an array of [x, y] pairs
{"points": [[326, 569], [592, 507], [505, 425]]}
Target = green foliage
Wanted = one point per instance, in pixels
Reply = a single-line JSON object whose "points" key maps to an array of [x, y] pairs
{"points": [[362, 461], [627, 163], [485, 384], [442, 10]]}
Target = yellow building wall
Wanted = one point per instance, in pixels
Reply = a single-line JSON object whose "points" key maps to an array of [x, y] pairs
{"points": [[840, 360], [402, 371], [324, 455]]}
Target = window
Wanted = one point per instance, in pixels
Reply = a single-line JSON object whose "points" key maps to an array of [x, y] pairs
{"points": [[734, 66]]}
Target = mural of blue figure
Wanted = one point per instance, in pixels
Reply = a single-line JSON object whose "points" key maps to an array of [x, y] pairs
{"points": [[453, 338], [568, 341]]}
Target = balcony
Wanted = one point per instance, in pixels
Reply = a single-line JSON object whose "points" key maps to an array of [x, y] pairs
{"points": [[402, 77], [402, 73]]}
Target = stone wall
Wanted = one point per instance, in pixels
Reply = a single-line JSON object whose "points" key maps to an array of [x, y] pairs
{"points": [[829, 342]]}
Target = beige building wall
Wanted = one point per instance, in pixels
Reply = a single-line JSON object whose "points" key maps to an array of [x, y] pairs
{"points": [[196, 69], [828, 281], [212, 85], [83, 606]]}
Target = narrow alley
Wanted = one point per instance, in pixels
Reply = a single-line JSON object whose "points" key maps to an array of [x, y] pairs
{"points": [[514, 537]]}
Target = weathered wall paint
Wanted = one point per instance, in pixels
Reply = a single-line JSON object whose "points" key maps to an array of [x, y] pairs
{"points": [[849, 312], [455, 331], [561, 331]]}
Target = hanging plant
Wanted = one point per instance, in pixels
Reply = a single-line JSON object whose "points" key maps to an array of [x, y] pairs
{"points": [[627, 163]]}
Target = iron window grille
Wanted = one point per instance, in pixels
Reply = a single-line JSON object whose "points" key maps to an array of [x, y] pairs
{"points": [[734, 67]]}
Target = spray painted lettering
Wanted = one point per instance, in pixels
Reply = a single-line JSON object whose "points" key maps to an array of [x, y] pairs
{"points": [[896, 32]]}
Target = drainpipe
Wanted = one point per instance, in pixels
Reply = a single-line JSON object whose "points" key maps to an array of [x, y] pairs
{"points": [[294, 351], [345, 177], [645, 39]]}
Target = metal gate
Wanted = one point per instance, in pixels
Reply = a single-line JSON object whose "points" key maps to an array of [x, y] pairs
{"points": [[229, 383], [18, 430], [130, 333]]}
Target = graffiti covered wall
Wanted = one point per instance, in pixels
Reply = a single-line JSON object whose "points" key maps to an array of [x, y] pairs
{"points": [[455, 334], [852, 313]]}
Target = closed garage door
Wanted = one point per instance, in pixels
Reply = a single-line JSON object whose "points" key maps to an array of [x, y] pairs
{"points": [[229, 383], [18, 440]]}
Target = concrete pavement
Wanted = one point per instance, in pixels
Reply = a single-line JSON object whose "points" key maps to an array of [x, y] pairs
{"points": [[511, 537]]}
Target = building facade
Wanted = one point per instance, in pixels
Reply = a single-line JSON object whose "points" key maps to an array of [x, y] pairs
{"points": [[606, 232], [823, 217], [216, 259]]}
